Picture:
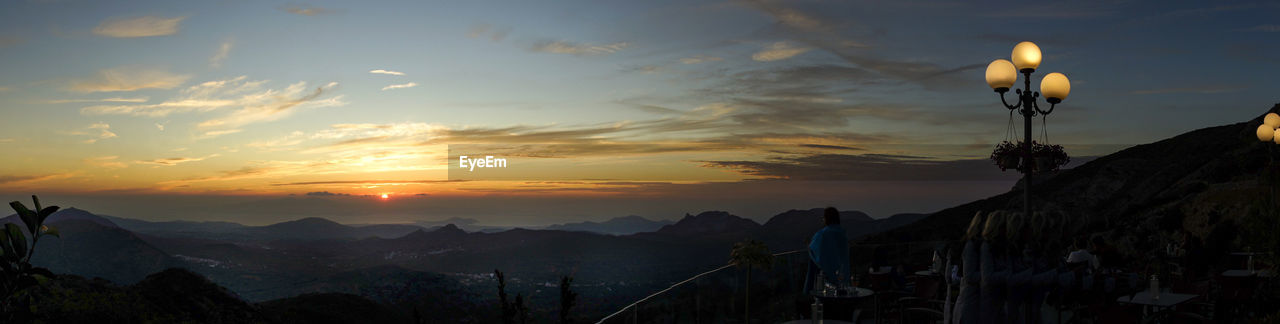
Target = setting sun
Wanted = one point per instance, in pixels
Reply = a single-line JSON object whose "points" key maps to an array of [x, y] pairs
{"points": [[384, 196]]}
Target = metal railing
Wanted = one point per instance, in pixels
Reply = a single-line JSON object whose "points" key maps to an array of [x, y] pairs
{"points": [[635, 307], [713, 296]]}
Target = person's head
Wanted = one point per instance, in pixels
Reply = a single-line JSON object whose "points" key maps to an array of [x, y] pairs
{"points": [[975, 226], [831, 216], [994, 230]]}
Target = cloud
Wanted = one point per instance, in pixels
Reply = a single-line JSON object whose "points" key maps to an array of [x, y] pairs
{"points": [[388, 72], [325, 193], [383, 182], [864, 167], [108, 162], [255, 103], [96, 131], [1208, 89], [147, 26], [563, 47], [160, 126], [400, 86], [216, 133], [699, 59], [223, 52], [305, 10], [128, 79], [112, 99], [12, 179], [1264, 28], [496, 34], [175, 161], [6, 41], [778, 51]]}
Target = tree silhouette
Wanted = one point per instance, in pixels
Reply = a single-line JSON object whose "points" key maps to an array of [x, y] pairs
{"points": [[749, 254], [521, 309], [507, 314], [15, 260], [567, 298]]}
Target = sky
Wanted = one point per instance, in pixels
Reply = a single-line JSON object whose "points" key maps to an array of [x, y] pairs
{"points": [[203, 110]]}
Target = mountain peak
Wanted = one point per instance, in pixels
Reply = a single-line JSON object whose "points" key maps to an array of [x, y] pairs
{"points": [[710, 222], [449, 229]]}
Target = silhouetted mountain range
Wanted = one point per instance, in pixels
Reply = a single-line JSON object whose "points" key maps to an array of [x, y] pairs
{"points": [[616, 226]]}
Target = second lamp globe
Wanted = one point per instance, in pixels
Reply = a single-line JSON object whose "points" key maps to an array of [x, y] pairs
{"points": [[1026, 55]]}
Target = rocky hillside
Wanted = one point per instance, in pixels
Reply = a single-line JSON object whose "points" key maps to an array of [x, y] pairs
{"points": [[1205, 181]]}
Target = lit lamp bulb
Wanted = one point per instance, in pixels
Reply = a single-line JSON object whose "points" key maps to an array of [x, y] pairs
{"points": [[1266, 133], [1001, 75], [1055, 87], [1026, 55], [1272, 119]]}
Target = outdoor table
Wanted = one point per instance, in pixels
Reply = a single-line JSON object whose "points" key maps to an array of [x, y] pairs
{"points": [[1167, 301], [848, 299], [1249, 255], [1239, 273], [826, 321]]}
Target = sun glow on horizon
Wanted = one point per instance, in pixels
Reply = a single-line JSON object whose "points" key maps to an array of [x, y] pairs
{"points": [[385, 196]]}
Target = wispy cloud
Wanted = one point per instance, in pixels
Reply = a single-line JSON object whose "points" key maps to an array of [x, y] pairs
{"points": [[778, 51], [6, 40], [305, 10], [12, 179], [563, 47], [496, 34], [112, 99], [1264, 28], [109, 162], [699, 59], [1208, 89], [387, 72], [255, 104], [128, 79], [147, 26], [223, 52], [96, 131], [174, 160], [216, 133], [400, 86]]}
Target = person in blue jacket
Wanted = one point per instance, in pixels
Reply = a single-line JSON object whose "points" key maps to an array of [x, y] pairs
{"points": [[829, 251]]}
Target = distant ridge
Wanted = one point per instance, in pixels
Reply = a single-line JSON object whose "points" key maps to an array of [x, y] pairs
{"points": [[710, 223], [65, 215], [616, 226]]}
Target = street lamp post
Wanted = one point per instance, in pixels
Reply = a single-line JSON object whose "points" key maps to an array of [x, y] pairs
{"points": [[1002, 74], [1269, 132]]}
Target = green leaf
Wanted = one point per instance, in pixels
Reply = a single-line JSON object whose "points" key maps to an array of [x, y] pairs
{"points": [[18, 241], [28, 217], [45, 213], [8, 248]]}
